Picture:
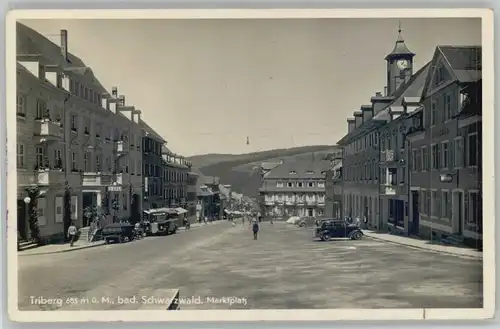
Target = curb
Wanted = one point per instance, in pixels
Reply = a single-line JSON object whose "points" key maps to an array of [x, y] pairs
{"points": [[423, 248], [61, 251]]}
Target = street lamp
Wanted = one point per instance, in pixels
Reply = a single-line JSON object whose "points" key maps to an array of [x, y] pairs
{"points": [[27, 201]]}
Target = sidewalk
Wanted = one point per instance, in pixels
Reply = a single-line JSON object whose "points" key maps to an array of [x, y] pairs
{"points": [[424, 244], [58, 248]]}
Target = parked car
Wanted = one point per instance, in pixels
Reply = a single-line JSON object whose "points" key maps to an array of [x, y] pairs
{"points": [[118, 232], [337, 228], [307, 221], [163, 227], [293, 220]]}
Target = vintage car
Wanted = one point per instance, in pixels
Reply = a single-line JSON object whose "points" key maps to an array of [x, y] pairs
{"points": [[337, 228], [307, 221], [163, 227], [118, 232]]}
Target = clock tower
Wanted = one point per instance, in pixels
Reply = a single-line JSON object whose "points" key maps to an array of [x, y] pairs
{"points": [[399, 65]]}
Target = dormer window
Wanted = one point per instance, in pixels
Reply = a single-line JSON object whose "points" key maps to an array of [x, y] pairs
{"points": [[293, 172], [310, 184], [310, 172], [279, 184], [289, 184]]}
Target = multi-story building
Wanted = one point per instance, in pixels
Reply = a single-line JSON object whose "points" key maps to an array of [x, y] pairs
{"points": [[175, 177], [66, 157], [191, 196], [295, 188], [365, 191], [153, 164], [445, 142]]}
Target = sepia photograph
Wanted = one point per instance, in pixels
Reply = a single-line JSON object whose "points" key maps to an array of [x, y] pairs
{"points": [[238, 164]]}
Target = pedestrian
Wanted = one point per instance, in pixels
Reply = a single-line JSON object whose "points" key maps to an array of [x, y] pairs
{"points": [[255, 228], [206, 220], [72, 231]]}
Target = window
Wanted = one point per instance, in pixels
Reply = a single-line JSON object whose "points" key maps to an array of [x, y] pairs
{"points": [[21, 105], [86, 128], [310, 172], [289, 184], [81, 92], [425, 158], [20, 152], [310, 184], [433, 113], [413, 160], [472, 150], [435, 205], [86, 165], [293, 172], [428, 203], [445, 205], [439, 75], [74, 161], [41, 107], [74, 124], [39, 157], [321, 184], [86, 93], [447, 107], [279, 184], [98, 129], [474, 211], [459, 152], [57, 158], [444, 155], [299, 184], [435, 156], [419, 160]]}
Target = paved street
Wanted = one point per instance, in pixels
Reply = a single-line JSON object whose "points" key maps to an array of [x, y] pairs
{"points": [[285, 268]]}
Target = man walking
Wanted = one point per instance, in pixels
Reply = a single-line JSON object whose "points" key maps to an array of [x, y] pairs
{"points": [[255, 228], [72, 231]]}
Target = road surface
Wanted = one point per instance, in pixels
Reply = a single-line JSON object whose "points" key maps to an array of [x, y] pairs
{"points": [[221, 267]]}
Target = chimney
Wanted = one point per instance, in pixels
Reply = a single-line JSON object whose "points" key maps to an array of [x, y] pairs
{"points": [[358, 118], [122, 100], [379, 102], [367, 112], [64, 44], [351, 125], [138, 116], [385, 91], [379, 94], [114, 92]]}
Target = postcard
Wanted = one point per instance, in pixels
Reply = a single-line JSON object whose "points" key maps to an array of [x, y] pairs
{"points": [[250, 165]]}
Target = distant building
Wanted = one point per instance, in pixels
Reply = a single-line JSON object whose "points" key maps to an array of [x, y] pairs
{"points": [[176, 169], [295, 188], [152, 160]]}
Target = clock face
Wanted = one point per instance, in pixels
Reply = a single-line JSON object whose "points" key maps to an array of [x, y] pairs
{"points": [[402, 64]]}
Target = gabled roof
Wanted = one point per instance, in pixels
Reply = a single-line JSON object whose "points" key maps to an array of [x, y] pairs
{"points": [[302, 169], [465, 63]]}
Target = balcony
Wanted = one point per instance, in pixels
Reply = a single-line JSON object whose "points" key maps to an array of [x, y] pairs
{"points": [[96, 179], [49, 177], [120, 148], [48, 131]]}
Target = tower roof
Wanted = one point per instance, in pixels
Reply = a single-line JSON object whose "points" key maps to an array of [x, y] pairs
{"points": [[400, 48]]}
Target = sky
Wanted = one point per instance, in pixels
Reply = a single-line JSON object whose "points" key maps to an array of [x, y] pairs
{"points": [[207, 85]]}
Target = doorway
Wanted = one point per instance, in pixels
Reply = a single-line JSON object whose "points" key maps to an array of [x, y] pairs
{"points": [[415, 199], [22, 220], [310, 212]]}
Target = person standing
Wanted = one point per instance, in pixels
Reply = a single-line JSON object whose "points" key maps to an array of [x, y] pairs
{"points": [[255, 228], [72, 231]]}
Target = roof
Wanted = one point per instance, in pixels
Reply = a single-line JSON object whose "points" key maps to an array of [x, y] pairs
{"points": [[151, 132], [269, 165], [412, 88], [33, 44], [466, 61], [400, 48], [300, 169], [165, 149]]}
